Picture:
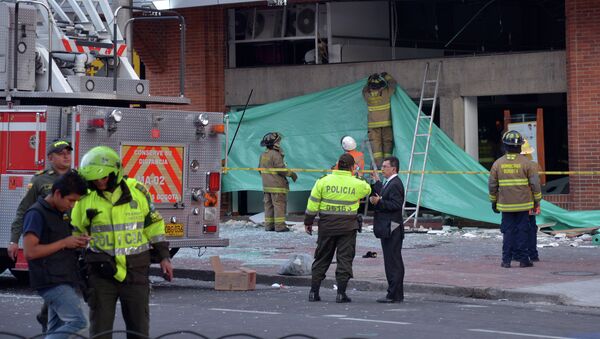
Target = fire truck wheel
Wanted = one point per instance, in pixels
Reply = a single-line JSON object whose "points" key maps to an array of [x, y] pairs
{"points": [[22, 276], [173, 251]]}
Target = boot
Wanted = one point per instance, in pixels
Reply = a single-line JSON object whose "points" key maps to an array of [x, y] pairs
{"points": [[313, 295], [341, 293]]}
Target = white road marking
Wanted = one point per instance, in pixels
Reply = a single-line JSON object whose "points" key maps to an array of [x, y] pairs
{"points": [[335, 315], [519, 334], [377, 321], [473, 306], [20, 296], [242, 311]]}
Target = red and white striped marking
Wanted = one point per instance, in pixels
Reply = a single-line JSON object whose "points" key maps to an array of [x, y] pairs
{"points": [[72, 46]]}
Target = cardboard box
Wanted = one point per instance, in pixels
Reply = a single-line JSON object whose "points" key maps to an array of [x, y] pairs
{"points": [[242, 279]]}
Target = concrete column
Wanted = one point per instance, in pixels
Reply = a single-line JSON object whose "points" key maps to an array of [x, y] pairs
{"points": [[452, 120], [471, 127]]}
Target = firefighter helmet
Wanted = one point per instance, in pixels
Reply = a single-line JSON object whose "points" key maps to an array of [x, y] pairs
{"points": [[376, 81], [512, 138], [270, 139], [526, 148], [100, 162], [348, 143]]}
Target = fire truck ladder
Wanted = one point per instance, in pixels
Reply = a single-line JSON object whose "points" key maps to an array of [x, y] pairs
{"points": [[420, 144]]}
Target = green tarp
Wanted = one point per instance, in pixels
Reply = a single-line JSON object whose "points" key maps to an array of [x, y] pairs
{"points": [[313, 125]]}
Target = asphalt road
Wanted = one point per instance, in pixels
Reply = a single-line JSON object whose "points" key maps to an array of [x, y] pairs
{"points": [[187, 305]]}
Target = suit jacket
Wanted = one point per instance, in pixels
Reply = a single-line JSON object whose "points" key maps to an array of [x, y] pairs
{"points": [[389, 208]]}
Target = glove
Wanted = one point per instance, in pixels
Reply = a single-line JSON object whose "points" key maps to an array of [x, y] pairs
{"points": [[494, 208], [294, 176]]}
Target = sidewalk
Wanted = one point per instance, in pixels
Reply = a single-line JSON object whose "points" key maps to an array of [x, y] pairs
{"points": [[462, 263]]}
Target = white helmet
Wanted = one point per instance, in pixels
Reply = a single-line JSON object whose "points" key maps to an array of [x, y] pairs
{"points": [[348, 143]]}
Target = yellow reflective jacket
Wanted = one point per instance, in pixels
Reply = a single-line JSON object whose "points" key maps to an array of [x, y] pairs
{"points": [[514, 183], [274, 181], [122, 224], [335, 197], [378, 104]]}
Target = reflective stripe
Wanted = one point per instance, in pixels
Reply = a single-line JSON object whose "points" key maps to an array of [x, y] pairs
{"points": [[158, 238], [279, 219], [122, 251], [378, 155], [537, 196], [314, 199], [376, 124], [118, 227], [275, 190], [269, 219], [513, 182], [515, 207], [311, 213], [270, 172], [337, 213], [338, 202], [492, 197], [379, 107]]}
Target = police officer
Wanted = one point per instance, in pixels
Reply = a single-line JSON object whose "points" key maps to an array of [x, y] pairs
{"points": [[514, 190], [275, 183], [335, 197], [119, 215], [59, 158], [377, 93]]}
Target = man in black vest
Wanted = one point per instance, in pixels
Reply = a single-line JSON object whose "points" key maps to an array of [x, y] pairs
{"points": [[50, 251], [388, 226]]}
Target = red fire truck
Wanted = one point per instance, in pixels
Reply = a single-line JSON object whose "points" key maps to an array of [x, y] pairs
{"points": [[64, 73]]}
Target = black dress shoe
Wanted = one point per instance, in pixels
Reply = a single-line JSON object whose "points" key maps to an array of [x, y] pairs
{"points": [[387, 300], [313, 296], [525, 264], [342, 298], [535, 259], [505, 265]]}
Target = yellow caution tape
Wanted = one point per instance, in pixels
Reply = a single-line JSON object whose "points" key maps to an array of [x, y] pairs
{"points": [[311, 170]]}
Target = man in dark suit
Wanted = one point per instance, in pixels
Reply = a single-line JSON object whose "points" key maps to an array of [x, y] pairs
{"points": [[388, 226]]}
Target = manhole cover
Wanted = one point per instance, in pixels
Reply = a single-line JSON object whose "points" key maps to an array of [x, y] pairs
{"points": [[576, 273]]}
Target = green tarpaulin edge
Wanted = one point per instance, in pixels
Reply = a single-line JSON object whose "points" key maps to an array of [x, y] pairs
{"points": [[313, 125]]}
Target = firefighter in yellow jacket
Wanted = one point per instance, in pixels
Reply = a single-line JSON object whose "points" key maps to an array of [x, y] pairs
{"points": [[275, 183], [119, 215], [514, 190], [377, 93], [335, 198]]}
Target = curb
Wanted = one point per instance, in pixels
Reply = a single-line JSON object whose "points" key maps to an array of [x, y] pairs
{"points": [[362, 285]]}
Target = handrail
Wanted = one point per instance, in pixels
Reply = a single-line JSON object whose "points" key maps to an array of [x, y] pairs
{"points": [[182, 28]]}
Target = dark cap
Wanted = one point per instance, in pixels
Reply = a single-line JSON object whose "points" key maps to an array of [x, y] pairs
{"points": [[58, 145]]}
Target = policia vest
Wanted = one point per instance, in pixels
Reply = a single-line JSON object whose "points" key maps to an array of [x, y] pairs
{"points": [[335, 197], [60, 267], [124, 226]]}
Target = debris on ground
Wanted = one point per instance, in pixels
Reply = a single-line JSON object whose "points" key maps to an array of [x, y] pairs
{"points": [[297, 265]]}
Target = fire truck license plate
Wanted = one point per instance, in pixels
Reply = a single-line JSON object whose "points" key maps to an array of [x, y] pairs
{"points": [[174, 230]]}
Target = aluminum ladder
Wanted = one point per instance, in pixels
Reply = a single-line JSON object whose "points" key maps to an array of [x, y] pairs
{"points": [[420, 144]]}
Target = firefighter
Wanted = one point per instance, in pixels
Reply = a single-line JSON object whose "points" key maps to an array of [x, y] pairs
{"points": [[275, 183], [119, 215], [514, 190], [335, 197], [377, 93], [349, 146], [59, 158]]}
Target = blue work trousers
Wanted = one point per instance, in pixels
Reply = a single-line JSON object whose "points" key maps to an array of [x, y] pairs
{"points": [[516, 229], [66, 315]]}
